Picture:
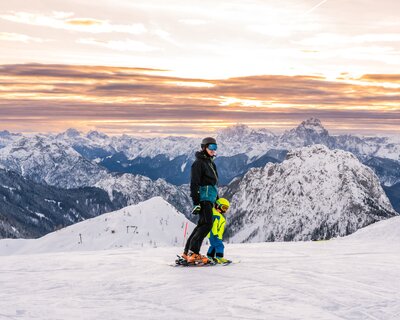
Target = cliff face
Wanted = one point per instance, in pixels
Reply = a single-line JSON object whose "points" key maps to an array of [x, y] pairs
{"points": [[316, 193]]}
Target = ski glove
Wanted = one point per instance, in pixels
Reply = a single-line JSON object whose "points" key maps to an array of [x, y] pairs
{"points": [[196, 209]]}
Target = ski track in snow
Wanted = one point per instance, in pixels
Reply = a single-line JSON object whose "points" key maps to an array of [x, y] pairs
{"points": [[301, 280]]}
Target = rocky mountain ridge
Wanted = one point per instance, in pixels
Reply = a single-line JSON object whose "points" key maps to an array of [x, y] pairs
{"points": [[316, 193]]}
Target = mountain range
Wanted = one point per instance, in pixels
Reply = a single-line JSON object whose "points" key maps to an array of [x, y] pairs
{"points": [[125, 170], [240, 148]]}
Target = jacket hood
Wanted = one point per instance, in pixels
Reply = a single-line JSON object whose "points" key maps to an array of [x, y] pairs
{"points": [[202, 155]]}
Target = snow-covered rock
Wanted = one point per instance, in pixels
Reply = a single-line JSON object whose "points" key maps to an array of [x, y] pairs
{"points": [[317, 193], [152, 223]]}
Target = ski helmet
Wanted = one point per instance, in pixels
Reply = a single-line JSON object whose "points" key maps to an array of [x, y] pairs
{"points": [[206, 141], [222, 204]]}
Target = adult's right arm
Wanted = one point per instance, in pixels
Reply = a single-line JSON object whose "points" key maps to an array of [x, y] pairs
{"points": [[195, 181]]}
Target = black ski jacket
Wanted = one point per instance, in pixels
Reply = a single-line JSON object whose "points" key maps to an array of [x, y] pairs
{"points": [[204, 173]]}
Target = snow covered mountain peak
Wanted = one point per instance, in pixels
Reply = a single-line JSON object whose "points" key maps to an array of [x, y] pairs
{"points": [[71, 133], [316, 193], [307, 133], [241, 139], [242, 131], [7, 137], [313, 124], [234, 131], [95, 135], [5, 133]]}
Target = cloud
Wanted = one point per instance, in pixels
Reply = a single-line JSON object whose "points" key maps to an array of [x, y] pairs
{"points": [[334, 39], [84, 22], [18, 37], [272, 30], [129, 99], [194, 22], [120, 45], [70, 72], [63, 20], [381, 78]]}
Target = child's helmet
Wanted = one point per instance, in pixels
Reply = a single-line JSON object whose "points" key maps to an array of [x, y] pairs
{"points": [[222, 204]]}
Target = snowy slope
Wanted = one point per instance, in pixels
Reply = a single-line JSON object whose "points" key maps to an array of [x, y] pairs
{"points": [[326, 280], [151, 223], [315, 194], [382, 231]]}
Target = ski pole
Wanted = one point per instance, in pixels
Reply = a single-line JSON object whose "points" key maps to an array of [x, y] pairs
{"points": [[184, 234]]}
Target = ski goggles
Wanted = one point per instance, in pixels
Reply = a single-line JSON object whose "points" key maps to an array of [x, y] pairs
{"points": [[223, 207], [212, 147]]}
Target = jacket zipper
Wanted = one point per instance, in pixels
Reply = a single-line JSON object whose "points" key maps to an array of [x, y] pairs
{"points": [[215, 174]]}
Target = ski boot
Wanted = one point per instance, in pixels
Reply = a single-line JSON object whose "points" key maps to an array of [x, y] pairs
{"points": [[222, 260], [196, 258]]}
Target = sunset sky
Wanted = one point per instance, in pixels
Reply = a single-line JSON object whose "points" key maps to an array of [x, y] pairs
{"points": [[193, 67]]}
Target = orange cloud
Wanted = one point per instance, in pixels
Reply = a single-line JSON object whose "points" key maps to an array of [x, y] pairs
{"points": [[149, 101], [381, 77], [63, 20], [83, 22]]}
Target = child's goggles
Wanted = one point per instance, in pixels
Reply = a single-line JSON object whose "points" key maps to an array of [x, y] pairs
{"points": [[212, 147], [223, 207]]}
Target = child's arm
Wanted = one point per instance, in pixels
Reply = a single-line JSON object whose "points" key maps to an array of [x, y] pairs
{"points": [[221, 230], [215, 227]]}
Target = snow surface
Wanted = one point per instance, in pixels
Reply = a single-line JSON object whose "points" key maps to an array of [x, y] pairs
{"points": [[356, 277], [319, 280], [151, 223], [387, 230]]}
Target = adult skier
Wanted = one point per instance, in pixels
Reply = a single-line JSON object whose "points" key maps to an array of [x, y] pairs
{"points": [[204, 193]]}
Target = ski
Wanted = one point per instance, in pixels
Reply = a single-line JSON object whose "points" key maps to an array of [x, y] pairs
{"points": [[181, 262]]}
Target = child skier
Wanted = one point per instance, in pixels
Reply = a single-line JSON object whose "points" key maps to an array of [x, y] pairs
{"points": [[216, 250]]}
